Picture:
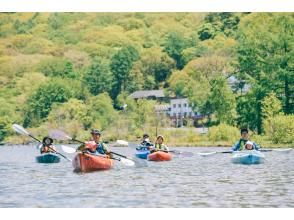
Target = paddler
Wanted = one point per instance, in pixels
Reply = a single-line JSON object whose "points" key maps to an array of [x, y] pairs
{"points": [[145, 144], [159, 146], [95, 146], [244, 143], [47, 146]]}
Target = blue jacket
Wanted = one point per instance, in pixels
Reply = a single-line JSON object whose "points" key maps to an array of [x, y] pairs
{"points": [[240, 145]]}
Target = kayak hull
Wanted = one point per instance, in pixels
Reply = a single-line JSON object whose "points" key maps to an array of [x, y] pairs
{"points": [[160, 156], [142, 154], [48, 158], [83, 162], [253, 157]]}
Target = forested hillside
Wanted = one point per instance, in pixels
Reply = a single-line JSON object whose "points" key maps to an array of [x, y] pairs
{"points": [[74, 71]]}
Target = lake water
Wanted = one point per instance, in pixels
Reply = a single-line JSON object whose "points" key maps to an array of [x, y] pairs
{"points": [[183, 182]]}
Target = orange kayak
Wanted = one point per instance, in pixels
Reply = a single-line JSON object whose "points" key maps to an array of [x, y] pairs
{"points": [[160, 156], [86, 163]]}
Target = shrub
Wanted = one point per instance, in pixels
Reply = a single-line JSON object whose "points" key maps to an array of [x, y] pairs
{"points": [[223, 132], [282, 129]]}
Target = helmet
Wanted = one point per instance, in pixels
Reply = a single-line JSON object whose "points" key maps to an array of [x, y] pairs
{"points": [[145, 136], [47, 141], [95, 131]]}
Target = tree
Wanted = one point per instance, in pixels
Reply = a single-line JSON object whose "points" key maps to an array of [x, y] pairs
{"points": [[265, 59], [101, 110], [271, 106], [174, 44], [39, 104], [59, 67], [98, 77], [121, 64], [223, 101]]}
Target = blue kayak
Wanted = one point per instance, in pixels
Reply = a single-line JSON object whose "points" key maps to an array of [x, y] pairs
{"points": [[142, 154], [48, 158], [248, 157]]}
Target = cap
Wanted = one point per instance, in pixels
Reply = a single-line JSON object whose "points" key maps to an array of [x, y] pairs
{"points": [[95, 131]]}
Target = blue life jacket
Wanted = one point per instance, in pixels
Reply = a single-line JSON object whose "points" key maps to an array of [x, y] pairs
{"points": [[100, 148]]}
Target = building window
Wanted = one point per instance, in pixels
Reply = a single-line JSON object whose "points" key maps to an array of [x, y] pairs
{"points": [[190, 114], [185, 114], [174, 114], [179, 105], [174, 105], [185, 105], [179, 114]]}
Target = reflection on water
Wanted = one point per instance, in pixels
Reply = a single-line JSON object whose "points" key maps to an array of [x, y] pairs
{"points": [[183, 182]]}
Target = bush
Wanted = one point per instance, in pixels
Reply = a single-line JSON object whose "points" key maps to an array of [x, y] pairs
{"points": [[282, 129], [56, 66], [4, 127], [223, 132]]}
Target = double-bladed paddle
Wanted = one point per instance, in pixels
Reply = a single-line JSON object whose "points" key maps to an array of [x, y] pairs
{"points": [[285, 150], [71, 150], [176, 152], [19, 129], [60, 135]]}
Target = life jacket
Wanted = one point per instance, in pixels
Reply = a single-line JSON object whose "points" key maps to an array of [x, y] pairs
{"points": [[160, 146], [100, 148], [242, 144]]}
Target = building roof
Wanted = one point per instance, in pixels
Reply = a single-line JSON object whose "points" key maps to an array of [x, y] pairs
{"points": [[147, 93]]}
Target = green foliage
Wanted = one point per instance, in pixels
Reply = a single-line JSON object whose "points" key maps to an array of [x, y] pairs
{"points": [[121, 64], [225, 22], [265, 58], [223, 132], [271, 106], [57, 67], [73, 110], [282, 129], [223, 101], [174, 44], [98, 77], [40, 102], [101, 111], [207, 31], [5, 129]]}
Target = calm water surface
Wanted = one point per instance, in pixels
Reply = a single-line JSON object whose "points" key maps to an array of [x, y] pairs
{"points": [[183, 182]]}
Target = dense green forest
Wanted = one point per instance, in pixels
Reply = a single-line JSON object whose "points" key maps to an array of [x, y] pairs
{"points": [[74, 71]]}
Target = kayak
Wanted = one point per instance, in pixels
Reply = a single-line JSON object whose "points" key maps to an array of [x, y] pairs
{"points": [[48, 158], [142, 154], [160, 156], [84, 162], [248, 157]]}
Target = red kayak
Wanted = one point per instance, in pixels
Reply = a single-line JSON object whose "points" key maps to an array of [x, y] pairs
{"points": [[160, 156], [86, 163]]}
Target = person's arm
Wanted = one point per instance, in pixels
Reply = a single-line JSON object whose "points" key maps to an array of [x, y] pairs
{"points": [[256, 146], [106, 149], [81, 147], [236, 146], [166, 148]]}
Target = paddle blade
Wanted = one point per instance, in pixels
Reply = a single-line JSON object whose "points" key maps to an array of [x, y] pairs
{"points": [[206, 154], [127, 162], [69, 150], [59, 135], [19, 129], [182, 153], [285, 151], [122, 142]]}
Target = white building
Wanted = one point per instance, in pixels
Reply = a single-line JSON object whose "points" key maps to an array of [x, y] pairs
{"points": [[180, 107]]}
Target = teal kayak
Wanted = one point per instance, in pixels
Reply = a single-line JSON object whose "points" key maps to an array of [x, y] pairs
{"points": [[142, 152], [48, 158], [248, 157]]}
